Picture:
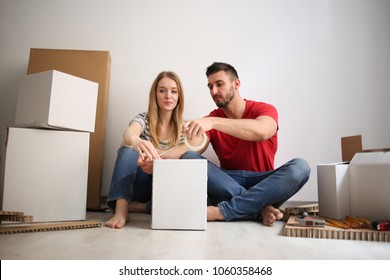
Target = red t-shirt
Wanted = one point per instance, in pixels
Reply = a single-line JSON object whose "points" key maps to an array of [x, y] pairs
{"points": [[237, 154]]}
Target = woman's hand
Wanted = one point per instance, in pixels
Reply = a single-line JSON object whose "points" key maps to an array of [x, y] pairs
{"points": [[145, 149], [146, 165]]}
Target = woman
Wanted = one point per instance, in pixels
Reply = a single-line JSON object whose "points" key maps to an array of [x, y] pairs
{"points": [[149, 136]]}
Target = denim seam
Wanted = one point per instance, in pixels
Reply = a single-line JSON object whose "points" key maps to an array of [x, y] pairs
{"points": [[119, 197], [222, 210]]}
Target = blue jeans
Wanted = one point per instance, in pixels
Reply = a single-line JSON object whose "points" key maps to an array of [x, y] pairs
{"points": [[243, 194], [129, 181]]}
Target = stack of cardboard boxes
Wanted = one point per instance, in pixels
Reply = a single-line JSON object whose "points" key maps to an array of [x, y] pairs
{"points": [[47, 151], [93, 66], [53, 157]]}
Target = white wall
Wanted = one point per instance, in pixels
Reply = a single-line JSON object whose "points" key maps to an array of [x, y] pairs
{"points": [[324, 64]]}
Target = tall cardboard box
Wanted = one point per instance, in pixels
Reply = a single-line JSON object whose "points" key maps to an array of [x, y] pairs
{"points": [[53, 99], [90, 65], [45, 174], [179, 201], [333, 190], [370, 184]]}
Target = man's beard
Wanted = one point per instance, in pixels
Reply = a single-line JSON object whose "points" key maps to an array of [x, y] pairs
{"points": [[225, 102]]}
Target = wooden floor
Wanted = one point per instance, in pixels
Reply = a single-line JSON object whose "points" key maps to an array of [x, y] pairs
{"points": [[244, 240]]}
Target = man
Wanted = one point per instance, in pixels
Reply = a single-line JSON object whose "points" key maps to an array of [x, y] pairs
{"points": [[244, 136]]}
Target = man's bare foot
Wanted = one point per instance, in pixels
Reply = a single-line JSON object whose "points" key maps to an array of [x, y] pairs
{"points": [[270, 214], [137, 207], [214, 214], [121, 216]]}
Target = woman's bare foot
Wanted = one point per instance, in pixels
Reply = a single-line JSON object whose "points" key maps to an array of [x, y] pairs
{"points": [[214, 214], [270, 214], [137, 207], [121, 216]]}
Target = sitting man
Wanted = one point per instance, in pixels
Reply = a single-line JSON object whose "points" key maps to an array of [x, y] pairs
{"points": [[244, 136]]}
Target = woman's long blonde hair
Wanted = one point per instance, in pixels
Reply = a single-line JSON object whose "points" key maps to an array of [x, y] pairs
{"points": [[177, 112]]}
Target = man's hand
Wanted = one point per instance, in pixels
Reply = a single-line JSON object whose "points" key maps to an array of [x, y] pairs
{"points": [[260, 129], [195, 136], [197, 127]]}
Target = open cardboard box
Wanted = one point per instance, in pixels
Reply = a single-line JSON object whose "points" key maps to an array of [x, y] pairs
{"points": [[369, 179], [360, 187]]}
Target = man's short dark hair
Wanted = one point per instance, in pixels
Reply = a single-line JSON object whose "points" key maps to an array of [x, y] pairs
{"points": [[222, 66]]}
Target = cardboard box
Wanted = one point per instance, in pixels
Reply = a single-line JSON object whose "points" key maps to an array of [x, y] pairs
{"points": [[360, 187], [45, 174], [53, 99], [333, 190], [370, 185], [90, 65], [179, 194]]}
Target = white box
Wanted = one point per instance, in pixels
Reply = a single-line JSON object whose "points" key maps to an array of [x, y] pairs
{"points": [[53, 99], [333, 190], [45, 174], [370, 185], [179, 194]]}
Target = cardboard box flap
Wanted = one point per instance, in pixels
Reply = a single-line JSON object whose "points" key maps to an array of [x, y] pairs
{"points": [[350, 145], [371, 158], [333, 163], [375, 150]]}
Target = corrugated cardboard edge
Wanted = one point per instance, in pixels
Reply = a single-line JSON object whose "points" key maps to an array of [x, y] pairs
{"points": [[24, 228], [14, 216], [329, 232]]}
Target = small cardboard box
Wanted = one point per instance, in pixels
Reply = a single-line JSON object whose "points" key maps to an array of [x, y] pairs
{"points": [[45, 174], [369, 174], [333, 190], [179, 194], [53, 99]]}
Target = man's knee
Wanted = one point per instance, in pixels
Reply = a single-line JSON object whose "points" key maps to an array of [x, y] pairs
{"points": [[301, 169], [192, 155]]}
